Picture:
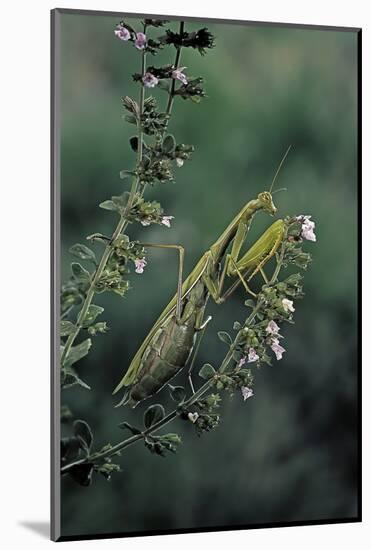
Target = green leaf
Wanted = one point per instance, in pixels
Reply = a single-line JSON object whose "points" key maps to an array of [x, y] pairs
{"points": [[131, 119], [237, 325], [109, 205], [146, 161], [83, 252], [98, 237], [66, 414], [70, 448], [250, 303], [84, 434], [172, 437], [82, 473], [67, 328], [98, 328], [127, 426], [130, 104], [126, 174], [69, 379], [134, 143], [207, 371], [92, 314], [153, 414], [107, 469], [80, 273], [169, 144], [77, 352], [121, 200], [177, 393], [224, 337]]}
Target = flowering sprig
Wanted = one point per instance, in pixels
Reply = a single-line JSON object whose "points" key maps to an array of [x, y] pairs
{"points": [[255, 338], [154, 163], [193, 90], [139, 39], [121, 255], [200, 40]]}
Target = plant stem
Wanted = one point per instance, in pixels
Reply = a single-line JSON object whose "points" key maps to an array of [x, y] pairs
{"points": [[279, 261], [170, 102], [135, 184], [131, 440], [176, 66], [121, 226]]}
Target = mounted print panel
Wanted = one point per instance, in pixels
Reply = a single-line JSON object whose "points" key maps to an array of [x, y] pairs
{"points": [[205, 200]]}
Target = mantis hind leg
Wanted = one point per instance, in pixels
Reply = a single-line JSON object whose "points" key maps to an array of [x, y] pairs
{"points": [[261, 264], [201, 328], [180, 250], [264, 276], [242, 280]]}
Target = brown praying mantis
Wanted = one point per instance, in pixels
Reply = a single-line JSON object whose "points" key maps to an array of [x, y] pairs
{"points": [[169, 344]]}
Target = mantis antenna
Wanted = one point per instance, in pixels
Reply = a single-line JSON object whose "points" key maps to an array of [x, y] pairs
{"points": [[278, 190], [279, 167]]}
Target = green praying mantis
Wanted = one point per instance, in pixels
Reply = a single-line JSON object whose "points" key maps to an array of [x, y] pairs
{"points": [[169, 344]]}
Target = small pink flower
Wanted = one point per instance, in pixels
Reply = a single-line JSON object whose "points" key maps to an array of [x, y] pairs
{"points": [[140, 264], [178, 74], [252, 356], [242, 361], [145, 222], [246, 392], [165, 220], [149, 80], [272, 328], [179, 162], [288, 305], [140, 41], [307, 228], [278, 350], [122, 33]]}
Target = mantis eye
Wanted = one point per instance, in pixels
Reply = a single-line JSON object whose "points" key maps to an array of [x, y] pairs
{"points": [[266, 197]]}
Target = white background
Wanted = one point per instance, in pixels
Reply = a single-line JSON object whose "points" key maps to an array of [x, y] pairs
{"points": [[24, 299]]}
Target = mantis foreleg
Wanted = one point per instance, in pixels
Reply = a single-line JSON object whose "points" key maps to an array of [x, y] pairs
{"points": [[251, 262]]}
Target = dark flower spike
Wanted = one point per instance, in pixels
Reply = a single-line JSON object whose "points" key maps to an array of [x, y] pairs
{"points": [[200, 40], [161, 72], [155, 22], [153, 46], [192, 90], [157, 72]]}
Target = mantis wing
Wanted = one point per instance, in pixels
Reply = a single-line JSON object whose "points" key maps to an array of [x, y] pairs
{"points": [[135, 365]]}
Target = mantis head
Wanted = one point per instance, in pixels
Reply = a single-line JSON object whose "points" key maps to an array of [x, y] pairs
{"points": [[267, 203]]}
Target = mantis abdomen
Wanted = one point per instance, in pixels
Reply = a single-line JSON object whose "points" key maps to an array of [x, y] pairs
{"points": [[170, 348]]}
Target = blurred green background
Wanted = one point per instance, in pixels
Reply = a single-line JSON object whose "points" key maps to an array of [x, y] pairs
{"points": [[290, 452]]}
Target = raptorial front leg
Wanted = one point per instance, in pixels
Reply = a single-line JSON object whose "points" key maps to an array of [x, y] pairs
{"points": [[246, 267]]}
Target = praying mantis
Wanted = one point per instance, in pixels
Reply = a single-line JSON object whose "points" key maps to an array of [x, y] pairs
{"points": [[169, 344]]}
